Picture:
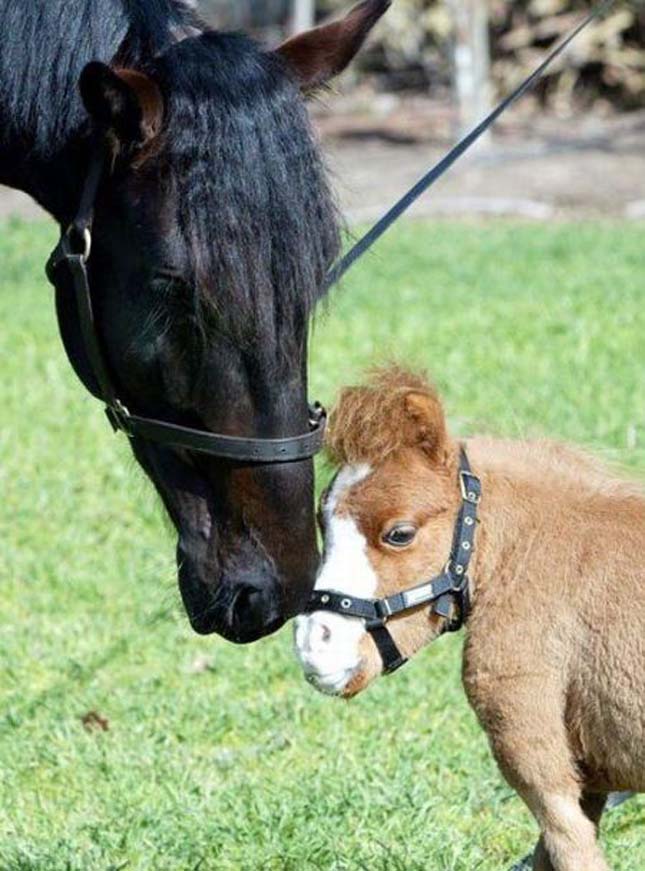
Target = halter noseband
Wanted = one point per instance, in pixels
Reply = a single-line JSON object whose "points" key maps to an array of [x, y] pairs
{"points": [[448, 592], [71, 255]]}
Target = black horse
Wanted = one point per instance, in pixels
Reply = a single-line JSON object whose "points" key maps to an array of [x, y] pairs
{"points": [[213, 231]]}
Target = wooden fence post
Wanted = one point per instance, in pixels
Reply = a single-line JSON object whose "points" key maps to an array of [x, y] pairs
{"points": [[303, 16], [472, 62]]}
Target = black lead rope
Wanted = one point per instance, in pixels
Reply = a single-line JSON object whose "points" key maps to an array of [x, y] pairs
{"points": [[433, 175], [448, 592]]}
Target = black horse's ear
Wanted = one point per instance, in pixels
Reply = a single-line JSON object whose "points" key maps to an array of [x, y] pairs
{"points": [[318, 55], [124, 102]]}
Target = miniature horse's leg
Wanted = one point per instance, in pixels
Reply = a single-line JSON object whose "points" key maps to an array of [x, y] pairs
{"points": [[526, 727], [593, 804], [568, 841]]}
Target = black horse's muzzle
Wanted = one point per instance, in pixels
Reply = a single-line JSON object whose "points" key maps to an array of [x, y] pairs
{"points": [[240, 606]]}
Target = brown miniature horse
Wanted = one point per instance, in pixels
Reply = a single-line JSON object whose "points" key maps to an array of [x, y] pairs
{"points": [[555, 636]]}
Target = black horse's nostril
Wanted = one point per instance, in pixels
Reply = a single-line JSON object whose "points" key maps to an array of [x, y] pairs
{"points": [[246, 604], [254, 612]]}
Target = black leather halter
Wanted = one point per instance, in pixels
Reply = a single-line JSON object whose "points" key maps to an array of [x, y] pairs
{"points": [[448, 592], [67, 271]]}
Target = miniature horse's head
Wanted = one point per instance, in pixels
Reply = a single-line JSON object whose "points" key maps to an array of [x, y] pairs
{"points": [[213, 231], [387, 520]]}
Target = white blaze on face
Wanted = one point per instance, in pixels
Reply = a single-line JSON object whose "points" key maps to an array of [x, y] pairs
{"points": [[328, 644]]}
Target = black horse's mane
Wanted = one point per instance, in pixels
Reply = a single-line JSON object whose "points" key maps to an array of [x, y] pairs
{"points": [[254, 200], [238, 149], [45, 45]]}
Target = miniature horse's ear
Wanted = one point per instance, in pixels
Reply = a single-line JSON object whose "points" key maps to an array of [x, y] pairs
{"points": [[427, 425], [126, 103], [318, 55]]}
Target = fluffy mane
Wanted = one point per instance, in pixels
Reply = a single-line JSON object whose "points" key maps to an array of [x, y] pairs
{"points": [[371, 421]]}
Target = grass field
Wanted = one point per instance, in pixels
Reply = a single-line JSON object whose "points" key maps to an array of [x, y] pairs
{"points": [[219, 757]]}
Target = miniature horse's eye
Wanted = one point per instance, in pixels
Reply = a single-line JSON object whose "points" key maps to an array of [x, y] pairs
{"points": [[400, 535]]}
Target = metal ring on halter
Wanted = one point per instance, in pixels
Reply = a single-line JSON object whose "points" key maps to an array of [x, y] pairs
{"points": [[87, 241], [72, 233]]}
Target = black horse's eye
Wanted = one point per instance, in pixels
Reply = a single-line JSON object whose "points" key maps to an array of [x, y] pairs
{"points": [[401, 535], [167, 282]]}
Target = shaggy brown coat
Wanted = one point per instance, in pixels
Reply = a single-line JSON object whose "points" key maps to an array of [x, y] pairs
{"points": [[555, 643]]}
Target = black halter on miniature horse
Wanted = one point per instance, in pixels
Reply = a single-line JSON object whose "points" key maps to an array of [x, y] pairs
{"points": [[71, 255], [448, 592]]}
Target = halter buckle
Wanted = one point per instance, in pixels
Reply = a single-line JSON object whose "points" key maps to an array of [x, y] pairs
{"points": [[119, 417], [383, 609], [317, 415], [470, 487]]}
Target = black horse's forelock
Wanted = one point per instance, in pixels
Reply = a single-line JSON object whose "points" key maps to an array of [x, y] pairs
{"points": [[255, 208]]}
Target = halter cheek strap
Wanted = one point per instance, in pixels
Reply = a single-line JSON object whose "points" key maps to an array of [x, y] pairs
{"points": [[67, 270], [448, 593]]}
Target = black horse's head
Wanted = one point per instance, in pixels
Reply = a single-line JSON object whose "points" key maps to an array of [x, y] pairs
{"points": [[213, 232]]}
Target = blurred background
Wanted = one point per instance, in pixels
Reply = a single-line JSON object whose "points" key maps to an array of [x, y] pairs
{"points": [[432, 68]]}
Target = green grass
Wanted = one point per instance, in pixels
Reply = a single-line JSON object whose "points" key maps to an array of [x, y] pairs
{"points": [[527, 330]]}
